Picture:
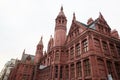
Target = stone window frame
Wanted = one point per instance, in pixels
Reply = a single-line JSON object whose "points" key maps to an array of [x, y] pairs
{"points": [[112, 49], [72, 53], [101, 66], [72, 71], [118, 50], [117, 67], [67, 72], [110, 68], [57, 55], [77, 49], [79, 69], [97, 44], [105, 47], [84, 45], [56, 71], [87, 70]]}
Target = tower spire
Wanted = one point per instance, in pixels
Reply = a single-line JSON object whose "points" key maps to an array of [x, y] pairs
{"points": [[41, 42], [61, 13], [39, 51], [60, 29]]}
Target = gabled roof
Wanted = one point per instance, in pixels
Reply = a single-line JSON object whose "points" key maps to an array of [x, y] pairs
{"points": [[79, 24]]}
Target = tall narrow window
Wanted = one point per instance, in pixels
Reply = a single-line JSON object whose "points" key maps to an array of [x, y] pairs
{"points": [[87, 67], [61, 71], [67, 55], [25, 68], [85, 45], [110, 69], [56, 71], [77, 49], [101, 67], [105, 48], [72, 53], [79, 69], [25, 77], [57, 55], [97, 45], [112, 49], [117, 66], [72, 74], [67, 72], [118, 50]]}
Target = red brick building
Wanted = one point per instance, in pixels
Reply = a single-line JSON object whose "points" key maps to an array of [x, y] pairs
{"points": [[88, 52]]}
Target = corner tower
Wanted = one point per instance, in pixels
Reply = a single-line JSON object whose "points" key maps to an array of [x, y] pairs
{"points": [[39, 51], [60, 29]]}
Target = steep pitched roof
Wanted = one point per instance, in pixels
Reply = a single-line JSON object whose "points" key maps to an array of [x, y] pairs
{"points": [[24, 57], [40, 42], [78, 24], [101, 20]]}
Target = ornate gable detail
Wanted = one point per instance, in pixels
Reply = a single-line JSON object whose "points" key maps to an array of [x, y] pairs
{"points": [[75, 30], [101, 21]]}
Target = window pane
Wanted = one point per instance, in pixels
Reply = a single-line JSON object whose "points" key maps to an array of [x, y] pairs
{"points": [[85, 45]]}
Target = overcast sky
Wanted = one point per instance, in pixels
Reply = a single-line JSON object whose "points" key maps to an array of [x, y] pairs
{"points": [[23, 22]]}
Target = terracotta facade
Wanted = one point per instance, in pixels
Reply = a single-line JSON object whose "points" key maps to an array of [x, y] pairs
{"points": [[88, 52]]}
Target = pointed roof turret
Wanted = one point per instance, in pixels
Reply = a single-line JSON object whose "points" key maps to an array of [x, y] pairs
{"points": [[41, 42], [61, 13]]}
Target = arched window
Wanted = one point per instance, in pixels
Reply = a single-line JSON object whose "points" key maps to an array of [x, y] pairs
{"points": [[57, 55]]}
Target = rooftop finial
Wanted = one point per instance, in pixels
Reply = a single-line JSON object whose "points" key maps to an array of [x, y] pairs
{"points": [[50, 36], [41, 38], [74, 18], [61, 13], [100, 15], [24, 51], [61, 8]]}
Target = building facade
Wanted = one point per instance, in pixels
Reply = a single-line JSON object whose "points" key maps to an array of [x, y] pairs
{"points": [[4, 74], [88, 52]]}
